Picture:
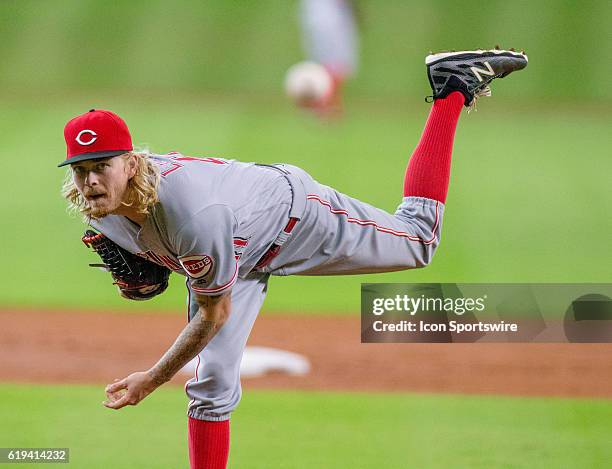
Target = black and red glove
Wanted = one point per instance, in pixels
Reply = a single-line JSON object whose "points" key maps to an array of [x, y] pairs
{"points": [[137, 278]]}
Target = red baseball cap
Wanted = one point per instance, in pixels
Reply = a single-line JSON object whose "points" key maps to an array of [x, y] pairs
{"points": [[94, 135]]}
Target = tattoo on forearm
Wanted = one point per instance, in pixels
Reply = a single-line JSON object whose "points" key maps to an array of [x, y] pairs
{"points": [[208, 301], [187, 345]]}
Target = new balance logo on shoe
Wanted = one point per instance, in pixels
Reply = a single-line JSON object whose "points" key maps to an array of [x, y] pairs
{"points": [[478, 72]]}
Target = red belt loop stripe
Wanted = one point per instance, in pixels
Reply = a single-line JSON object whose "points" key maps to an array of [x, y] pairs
{"points": [[292, 222], [273, 251]]}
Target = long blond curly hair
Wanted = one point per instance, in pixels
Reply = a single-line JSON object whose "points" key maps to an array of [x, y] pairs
{"points": [[141, 191]]}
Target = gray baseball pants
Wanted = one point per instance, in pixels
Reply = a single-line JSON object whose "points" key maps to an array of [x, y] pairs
{"points": [[336, 234]]}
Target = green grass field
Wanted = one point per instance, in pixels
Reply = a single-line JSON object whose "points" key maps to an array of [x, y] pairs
{"points": [[529, 198], [316, 430]]}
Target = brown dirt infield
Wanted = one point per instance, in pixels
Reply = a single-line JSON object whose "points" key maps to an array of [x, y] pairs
{"points": [[68, 347]]}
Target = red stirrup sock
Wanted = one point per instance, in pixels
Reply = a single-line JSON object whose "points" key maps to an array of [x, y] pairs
{"points": [[428, 171], [208, 444]]}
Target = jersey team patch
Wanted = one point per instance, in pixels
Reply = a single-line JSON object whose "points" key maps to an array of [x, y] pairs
{"points": [[197, 266]]}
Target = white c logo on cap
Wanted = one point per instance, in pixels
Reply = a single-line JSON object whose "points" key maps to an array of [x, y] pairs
{"points": [[93, 138]]}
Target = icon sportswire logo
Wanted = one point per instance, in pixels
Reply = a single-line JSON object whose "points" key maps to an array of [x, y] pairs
{"points": [[478, 72], [197, 266]]}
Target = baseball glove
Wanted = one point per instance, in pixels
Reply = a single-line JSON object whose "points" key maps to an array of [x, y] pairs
{"points": [[137, 278]]}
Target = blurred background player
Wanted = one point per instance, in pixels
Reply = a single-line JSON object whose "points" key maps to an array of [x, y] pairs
{"points": [[330, 39]]}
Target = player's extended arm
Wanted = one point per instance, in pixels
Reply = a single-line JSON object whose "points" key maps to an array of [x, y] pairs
{"points": [[213, 312]]}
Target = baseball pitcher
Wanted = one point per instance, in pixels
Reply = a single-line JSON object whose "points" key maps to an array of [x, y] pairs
{"points": [[226, 226]]}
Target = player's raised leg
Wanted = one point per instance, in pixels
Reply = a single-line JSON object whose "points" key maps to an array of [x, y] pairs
{"points": [[428, 171], [457, 79], [347, 236]]}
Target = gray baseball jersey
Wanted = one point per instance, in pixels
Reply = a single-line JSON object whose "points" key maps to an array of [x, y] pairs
{"points": [[228, 224]]}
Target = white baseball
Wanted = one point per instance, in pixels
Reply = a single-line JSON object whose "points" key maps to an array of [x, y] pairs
{"points": [[308, 83]]}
